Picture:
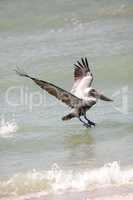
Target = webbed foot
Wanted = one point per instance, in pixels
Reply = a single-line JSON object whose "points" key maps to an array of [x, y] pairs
{"points": [[90, 122]]}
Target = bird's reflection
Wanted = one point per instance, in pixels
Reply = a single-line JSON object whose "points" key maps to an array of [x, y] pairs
{"points": [[81, 137], [80, 148]]}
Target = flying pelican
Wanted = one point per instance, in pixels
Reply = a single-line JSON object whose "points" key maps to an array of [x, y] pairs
{"points": [[82, 96]]}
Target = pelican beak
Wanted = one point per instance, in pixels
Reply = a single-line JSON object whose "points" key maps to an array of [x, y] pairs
{"points": [[104, 98]]}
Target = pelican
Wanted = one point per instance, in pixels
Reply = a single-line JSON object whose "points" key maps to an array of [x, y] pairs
{"points": [[82, 96]]}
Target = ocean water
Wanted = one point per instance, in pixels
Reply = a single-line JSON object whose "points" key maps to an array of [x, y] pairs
{"points": [[40, 154]]}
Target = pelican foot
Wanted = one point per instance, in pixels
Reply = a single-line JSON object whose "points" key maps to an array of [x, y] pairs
{"points": [[87, 125], [92, 123]]}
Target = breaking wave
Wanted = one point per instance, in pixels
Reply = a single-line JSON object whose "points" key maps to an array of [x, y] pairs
{"points": [[57, 180], [7, 128]]}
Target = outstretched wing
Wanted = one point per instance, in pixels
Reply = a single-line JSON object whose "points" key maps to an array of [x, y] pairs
{"points": [[62, 95], [82, 69]]}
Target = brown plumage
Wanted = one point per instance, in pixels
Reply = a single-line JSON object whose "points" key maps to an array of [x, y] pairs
{"points": [[78, 105], [61, 94]]}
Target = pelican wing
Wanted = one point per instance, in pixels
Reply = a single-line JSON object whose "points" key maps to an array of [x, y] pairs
{"points": [[82, 69], [62, 95]]}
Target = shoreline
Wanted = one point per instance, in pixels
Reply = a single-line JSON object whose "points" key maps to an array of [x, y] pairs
{"points": [[104, 193]]}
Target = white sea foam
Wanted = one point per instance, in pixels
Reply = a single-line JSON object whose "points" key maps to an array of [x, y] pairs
{"points": [[7, 128], [57, 180]]}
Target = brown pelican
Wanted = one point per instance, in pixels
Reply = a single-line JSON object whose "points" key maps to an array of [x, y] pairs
{"points": [[82, 96]]}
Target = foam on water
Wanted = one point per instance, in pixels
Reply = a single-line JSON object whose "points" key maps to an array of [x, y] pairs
{"points": [[57, 180], [7, 128]]}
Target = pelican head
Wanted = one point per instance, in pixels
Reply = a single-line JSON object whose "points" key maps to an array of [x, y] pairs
{"points": [[98, 95]]}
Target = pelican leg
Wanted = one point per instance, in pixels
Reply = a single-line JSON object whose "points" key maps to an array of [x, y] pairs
{"points": [[87, 125], [89, 121]]}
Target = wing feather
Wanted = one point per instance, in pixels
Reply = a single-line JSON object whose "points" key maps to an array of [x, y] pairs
{"points": [[82, 69], [61, 94]]}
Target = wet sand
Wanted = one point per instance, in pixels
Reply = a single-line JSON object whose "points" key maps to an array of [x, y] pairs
{"points": [[107, 193], [113, 193]]}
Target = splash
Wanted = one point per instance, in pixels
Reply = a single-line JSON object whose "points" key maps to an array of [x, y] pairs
{"points": [[7, 128], [57, 180]]}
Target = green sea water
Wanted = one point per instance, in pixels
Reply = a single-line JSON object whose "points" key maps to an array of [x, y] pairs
{"points": [[45, 39]]}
